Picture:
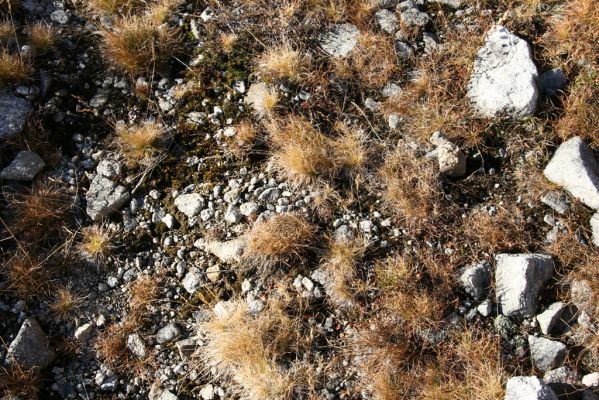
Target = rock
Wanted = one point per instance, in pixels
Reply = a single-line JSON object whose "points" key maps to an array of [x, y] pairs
{"points": [[485, 308], [594, 222], [82, 333], [223, 309], [228, 252], [59, 16], [213, 273], [258, 96], [545, 353], [24, 167], [476, 279], [505, 327], [189, 204], [452, 161], [552, 81], [573, 166], [191, 282], [504, 75], [340, 40], [167, 333], [186, 348], [14, 113], [519, 277], [581, 295], [136, 345], [249, 209], [527, 388], [414, 18], [450, 3], [403, 50], [387, 20], [169, 220], [550, 316], [167, 395], [30, 348], [233, 215], [269, 195], [105, 197], [207, 392], [556, 200], [563, 374], [591, 380], [110, 168]]}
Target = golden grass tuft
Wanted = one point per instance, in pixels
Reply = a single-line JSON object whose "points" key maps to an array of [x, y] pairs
{"points": [[244, 140], [282, 62], [351, 153], [66, 302], [247, 349], [228, 42], [341, 263], [139, 45], [114, 7], [14, 68], [142, 293], [140, 144], [373, 60], [19, 383], [281, 240], [111, 345], [96, 244], [7, 33], [41, 37], [412, 185], [160, 11]]}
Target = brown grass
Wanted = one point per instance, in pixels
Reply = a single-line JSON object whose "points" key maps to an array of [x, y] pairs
{"points": [[139, 45], [244, 140], [161, 10], [373, 60], [96, 244], [341, 263], [28, 275], [66, 303], [140, 144], [42, 37], [14, 68], [142, 293], [18, 383], [351, 153], [282, 62], [412, 185], [108, 7], [111, 345], [7, 33], [281, 240], [228, 42]]}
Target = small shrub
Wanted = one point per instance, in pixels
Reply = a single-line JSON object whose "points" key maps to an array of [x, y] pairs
{"points": [[282, 62], [140, 144], [14, 68], [228, 42], [66, 302], [42, 37], [96, 244], [19, 383]]}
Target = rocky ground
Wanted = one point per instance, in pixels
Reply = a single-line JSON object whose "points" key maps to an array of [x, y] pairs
{"points": [[255, 199]]}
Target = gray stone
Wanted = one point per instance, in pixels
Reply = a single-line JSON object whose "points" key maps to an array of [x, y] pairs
{"points": [[565, 375], [505, 327], [475, 279], [573, 166], [518, 278], [414, 17], [30, 348], [233, 215], [594, 222], [503, 81], [136, 345], [228, 252], [14, 113], [110, 168], [191, 282], [556, 200], [450, 3], [552, 81], [269, 195], [485, 308], [167, 395], [82, 333], [189, 204], [59, 16], [545, 353], [167, 333], [403, 50], [249, 209], [451, 160], [340, 40], [24, 167], [550, 316], [387, 20], [527, 388], [105, 197]]}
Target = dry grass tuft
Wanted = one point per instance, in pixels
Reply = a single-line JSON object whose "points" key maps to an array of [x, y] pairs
{"points": [[111, 345], [114, 7], [96, 244], [42, 37], [14, 68], [412, 185], [228, 42], [66, 302], [139, 45], [373, 59], [282, 62], [351, 154], [18, 383], [281, 240], [140, 144], [247, 349], [7, 33], [244, 140], [142, 293], [160, 11], [28, 276], [341, 263]]}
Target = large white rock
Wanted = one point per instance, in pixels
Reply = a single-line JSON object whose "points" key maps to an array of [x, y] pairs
{"points": [[548, 318], [104, 197], [519, 277], [189, 204], [340, 40], [503, 81], [527, 388], [575, 168], [259, 96], [228, 252], [545, 353]]}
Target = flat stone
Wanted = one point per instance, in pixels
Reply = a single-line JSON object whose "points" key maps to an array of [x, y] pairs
{"points": [[105, 197], [563, 375], [24, 167], [228, 252], [556, 200], [519, 277], [14, 113], [340, 40], [189, 204], [545, 353], [387, 20], [249, 209], [527, 388], [30, 348], [136, 345], [476, 279], [503, 80], [574, 167], [548, 318]]}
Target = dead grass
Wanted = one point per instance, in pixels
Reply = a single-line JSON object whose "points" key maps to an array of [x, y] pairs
{"points": [[96, 244], [142, 293], [139, 45], [18, 383], [279, 241], [351, 154], [111, 345], [66, 303], [373, 60], [161, 10], [248, 349], [412, 185], [282, 62], [140, 144], [28, 276], [7, 33], [42, 37], [244, 140], [14, 68], [228, 42], [341, 263], [117, 7]]}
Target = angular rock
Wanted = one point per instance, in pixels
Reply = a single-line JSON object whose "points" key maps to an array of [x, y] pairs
{"points": [[552, 81], [249, 209], [545, 353], [105, 197], [136, 345], [452, 161], [167, 333], [340, 40], [414, 17], [24, 167], [594, 222], [257, 97], [189, 204], [30, 348], [503, 81], [167, 395], [191, 282], [574, 167], [548, 318], [519, 277], [556, 200], [564, 375], [476, 279], [387, 20], [485, 308], [228, 252], [591, 380], [14, 113], [233, 215], [527, 388]]}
